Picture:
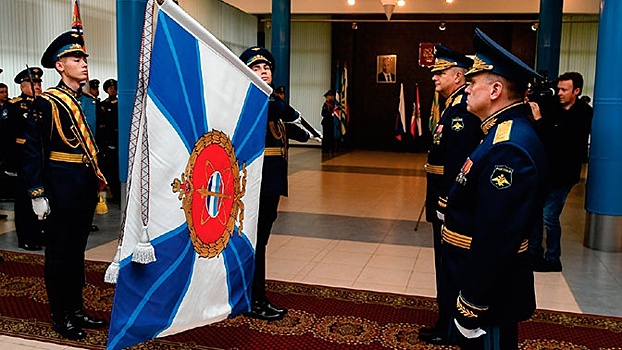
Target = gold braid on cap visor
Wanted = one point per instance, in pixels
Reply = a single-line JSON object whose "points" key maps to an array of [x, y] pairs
{"points": [[479, 65], [72, 48], [256, 58], [441, 64]]}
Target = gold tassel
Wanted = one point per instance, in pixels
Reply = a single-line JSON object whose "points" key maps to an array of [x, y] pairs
{"points": [[102, 207]]}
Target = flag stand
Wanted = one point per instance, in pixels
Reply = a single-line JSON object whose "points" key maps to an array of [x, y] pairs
{"points": [[420, 215]]}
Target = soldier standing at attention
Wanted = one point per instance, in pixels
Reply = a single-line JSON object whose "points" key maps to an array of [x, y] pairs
{"points": [[63, 179], [274, 177], [456, 135], [494, 205], [108, 137], [28, 228]]}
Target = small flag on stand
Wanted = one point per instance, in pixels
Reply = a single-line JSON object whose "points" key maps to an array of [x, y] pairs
{"points": [[415, 120], [401, 116], [435, 112]]}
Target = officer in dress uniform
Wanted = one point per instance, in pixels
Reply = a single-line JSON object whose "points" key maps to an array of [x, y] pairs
{"points": [[494, 205], [274, 177], [456, 135], [28, 228], [63, 178], [108, 137]]}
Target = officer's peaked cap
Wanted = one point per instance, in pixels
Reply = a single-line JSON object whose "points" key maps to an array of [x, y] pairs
{"points": [[445, 58], [68, 43], [110, 82], [491, 57], [257, 54], [35, 73]]}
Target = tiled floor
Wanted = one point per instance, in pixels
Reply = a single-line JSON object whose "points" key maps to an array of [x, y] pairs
{"points": [[349, 221]]}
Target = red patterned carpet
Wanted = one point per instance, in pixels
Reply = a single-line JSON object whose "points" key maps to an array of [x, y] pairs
{"points": [[319, 318]]}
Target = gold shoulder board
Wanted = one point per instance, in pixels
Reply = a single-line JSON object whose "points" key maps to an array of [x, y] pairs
{"points": [[457, 100], [503, 132], [15, 99]]}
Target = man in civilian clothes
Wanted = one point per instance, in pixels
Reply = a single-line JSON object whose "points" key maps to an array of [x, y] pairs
{"points": [[494, 205], [456, 135], [63, 178]]}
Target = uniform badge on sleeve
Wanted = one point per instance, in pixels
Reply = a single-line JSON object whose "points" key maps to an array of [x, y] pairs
{"points": [[501, 177], [457, 124]]}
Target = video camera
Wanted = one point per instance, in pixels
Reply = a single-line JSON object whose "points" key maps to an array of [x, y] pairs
{"points": [[544, 93]]}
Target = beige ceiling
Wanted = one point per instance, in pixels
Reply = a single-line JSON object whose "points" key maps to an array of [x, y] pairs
{"points": [[416, 6]]}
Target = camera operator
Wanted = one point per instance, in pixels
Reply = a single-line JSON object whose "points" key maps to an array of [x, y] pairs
{"points": [[564, 127]]}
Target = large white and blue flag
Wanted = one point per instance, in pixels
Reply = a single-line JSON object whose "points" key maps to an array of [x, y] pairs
{"points": [[193, 186]]}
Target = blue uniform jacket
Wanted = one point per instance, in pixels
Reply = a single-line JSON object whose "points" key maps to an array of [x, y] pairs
{"points": [[280, 129], [494, 205], [455, 137], [54, 162]]}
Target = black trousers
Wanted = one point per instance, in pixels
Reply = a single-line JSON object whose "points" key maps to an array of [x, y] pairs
{"points": [[27, 226], [268, 210], [442, 293]]}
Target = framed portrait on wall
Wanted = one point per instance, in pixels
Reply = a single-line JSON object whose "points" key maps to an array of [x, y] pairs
{"points": [[386, 68]]}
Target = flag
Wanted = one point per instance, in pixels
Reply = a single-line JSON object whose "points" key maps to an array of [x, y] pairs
{"points": [[435, 112], [193, 193], [76, 20], [401, 115], [337, 110], [345, 109], [415, 120]]}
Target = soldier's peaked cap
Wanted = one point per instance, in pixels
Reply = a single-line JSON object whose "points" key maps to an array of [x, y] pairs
{"points": [[65, 44], [35, 72], [491, 57], [257, 54], [445, 58]]}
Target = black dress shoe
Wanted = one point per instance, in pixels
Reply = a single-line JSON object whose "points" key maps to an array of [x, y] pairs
{"points": [[94, 228], [275, 308], [432, 338], [3, 216], [31, 247], [67, 328], [547, 266], [85, 321], [259, 310]]}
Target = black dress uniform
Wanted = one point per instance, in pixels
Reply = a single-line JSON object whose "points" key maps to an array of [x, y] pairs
{"points": [[28, 228], [494, 205], [60, 164], [456, 135], [273, 181], [108, 139]]}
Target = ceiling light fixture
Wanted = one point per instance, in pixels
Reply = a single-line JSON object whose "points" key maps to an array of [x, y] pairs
{"points": [[389, 6], [351, 2], [401, 3], [449, 1], [442, 26]]}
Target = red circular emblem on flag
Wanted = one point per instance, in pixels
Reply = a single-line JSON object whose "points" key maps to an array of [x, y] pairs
{"points": [[211, 193]]}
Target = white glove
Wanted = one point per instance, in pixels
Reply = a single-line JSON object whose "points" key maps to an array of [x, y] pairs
{"points": [[469, 333], [41, 207], [315, 138]]}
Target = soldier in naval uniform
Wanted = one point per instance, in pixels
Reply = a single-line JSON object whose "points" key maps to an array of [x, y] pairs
{"points": [[63, 178], [494, 205], [27, 227], [274, 177], [455, 137]]}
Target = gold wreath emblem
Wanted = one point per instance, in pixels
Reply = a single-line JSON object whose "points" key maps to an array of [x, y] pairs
{"points": [[188, 190]]}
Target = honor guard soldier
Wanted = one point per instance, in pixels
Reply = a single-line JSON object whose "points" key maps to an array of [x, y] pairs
{"points": [[28, 228], [63, 179], [494, 205], [456, 135], [274, 177]]}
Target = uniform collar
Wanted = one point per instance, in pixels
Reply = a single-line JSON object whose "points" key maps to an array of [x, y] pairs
{"points": [[26, 97], [453, 95], [62, 86], [496, 117]]}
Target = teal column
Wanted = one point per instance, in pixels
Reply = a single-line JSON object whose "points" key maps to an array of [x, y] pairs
{"points": [[281, 25], [604, 189], [549, 37], [130, 18]]}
